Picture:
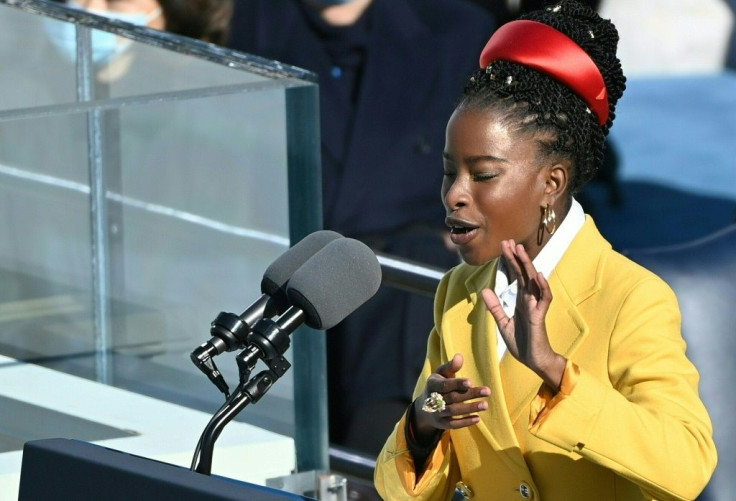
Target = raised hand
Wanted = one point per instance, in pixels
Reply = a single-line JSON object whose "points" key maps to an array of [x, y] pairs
{"points": [[525, 334], [459, 395]]}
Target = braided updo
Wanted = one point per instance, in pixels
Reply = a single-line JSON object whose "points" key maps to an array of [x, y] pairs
{"points": [[542, 106]]}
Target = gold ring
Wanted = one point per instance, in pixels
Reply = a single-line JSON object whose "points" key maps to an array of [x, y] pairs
{"points": [[435, 403]]}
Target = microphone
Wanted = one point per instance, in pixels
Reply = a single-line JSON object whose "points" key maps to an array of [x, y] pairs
{"points": [[334, 283], [230, 332], [326, 289]]}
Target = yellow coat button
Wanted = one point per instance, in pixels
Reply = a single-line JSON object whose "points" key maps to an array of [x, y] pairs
{"points": [[464, 489], [525, 491]]}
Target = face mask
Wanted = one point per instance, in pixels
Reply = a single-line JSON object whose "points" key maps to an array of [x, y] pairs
{"points": [[106, 46]]}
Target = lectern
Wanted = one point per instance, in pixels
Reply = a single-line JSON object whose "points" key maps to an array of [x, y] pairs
{"points": [[75, 470]]}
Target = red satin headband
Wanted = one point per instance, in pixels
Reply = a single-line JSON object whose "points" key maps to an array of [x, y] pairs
{"points": [[545, 49]]}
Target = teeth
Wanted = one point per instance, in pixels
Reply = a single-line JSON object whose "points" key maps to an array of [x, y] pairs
{"points": [[460, 229]]}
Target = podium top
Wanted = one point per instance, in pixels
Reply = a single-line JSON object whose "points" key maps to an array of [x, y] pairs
{"points": [[59, 468]]}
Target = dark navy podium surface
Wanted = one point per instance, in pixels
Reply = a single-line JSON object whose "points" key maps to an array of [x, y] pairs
{"points": [[74, 470]]}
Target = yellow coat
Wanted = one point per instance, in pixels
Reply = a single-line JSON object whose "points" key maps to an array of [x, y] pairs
{"points": [[633, 427]]}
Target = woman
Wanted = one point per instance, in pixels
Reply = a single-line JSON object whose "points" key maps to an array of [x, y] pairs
{"points": [[207, 20], [556, 369]]}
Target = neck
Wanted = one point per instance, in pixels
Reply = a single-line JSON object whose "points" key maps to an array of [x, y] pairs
{"points": [[341, 15]]}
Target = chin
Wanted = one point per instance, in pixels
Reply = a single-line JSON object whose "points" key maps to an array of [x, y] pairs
{"points": [[474, 260]]}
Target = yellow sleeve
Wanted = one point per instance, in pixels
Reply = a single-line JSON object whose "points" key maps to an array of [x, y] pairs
{"points": [[647, 423], [395, 475], [547, 399]]}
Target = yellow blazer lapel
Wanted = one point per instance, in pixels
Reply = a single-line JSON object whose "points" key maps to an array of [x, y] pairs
{"points": [[475, 338], [566, 329], [574, 279]]}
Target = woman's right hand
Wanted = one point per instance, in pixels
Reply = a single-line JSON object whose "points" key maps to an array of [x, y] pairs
{"points": [[461, 401]]}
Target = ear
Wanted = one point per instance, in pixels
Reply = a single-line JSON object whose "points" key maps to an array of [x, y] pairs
{"points": [[557, 178]]}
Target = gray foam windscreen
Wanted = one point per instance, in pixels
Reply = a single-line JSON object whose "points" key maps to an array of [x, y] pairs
{"points": [[335, 282], [281, 270]]}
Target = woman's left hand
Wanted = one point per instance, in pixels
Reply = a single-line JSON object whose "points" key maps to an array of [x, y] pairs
{"points": [[526, 333]]}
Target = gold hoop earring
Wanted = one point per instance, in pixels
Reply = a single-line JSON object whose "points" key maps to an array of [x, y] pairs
{"points": [[549, 219]]}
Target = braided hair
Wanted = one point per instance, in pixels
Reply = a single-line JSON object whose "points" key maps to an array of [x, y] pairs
{"points": [[546, 108]]}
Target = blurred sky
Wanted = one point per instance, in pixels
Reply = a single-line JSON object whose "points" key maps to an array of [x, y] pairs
{"points": [[675, 125]]}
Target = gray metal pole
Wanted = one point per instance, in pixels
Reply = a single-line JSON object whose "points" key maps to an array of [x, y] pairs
{"points": [[305, 216], [98, 205]]}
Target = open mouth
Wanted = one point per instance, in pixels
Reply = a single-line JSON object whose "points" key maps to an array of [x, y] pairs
{"points": [[460, 234]]}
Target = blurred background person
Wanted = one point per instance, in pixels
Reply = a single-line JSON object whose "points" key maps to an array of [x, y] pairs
{"points": [[206, 20], [508, 10], [389, 73]]}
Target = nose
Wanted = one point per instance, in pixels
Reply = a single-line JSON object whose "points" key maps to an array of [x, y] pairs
{"points": [[455, 193]]}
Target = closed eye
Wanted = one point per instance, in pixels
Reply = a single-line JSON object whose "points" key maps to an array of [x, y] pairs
{"points": [[484, 177]]}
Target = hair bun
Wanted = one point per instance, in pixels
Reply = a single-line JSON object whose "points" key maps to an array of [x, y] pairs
{"points": [[595, 35], [560, 108]]}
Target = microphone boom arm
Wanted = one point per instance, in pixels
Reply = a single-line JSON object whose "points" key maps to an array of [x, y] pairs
{"points": [[269, 340]]}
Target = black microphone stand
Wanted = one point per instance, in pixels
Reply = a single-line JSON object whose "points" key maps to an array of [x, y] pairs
{"points": [[229, 332], [268, 340]]}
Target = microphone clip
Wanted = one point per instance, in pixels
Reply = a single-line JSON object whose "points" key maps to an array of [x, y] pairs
{"points": [[202, 358], [267, 341]]}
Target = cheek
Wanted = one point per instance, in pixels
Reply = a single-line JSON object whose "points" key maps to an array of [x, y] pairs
{"points": [[507, 209], [491, 202]]}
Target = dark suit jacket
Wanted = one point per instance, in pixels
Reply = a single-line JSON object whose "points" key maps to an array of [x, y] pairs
{"points": [[386, 174]]}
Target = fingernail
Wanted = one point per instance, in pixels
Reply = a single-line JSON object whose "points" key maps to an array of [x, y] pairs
{"points": [[482, 406], [485, 392], [467, 384]]}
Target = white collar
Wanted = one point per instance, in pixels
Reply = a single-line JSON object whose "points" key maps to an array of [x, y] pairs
{"points": [[545, 261], [553, 251]]}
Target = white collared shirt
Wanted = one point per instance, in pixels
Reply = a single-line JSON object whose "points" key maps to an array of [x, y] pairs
{"points": [[545, 262]]}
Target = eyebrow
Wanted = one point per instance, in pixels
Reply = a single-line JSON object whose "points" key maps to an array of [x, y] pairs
{"points": [[475, 159]]}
